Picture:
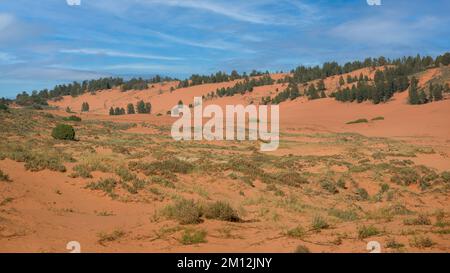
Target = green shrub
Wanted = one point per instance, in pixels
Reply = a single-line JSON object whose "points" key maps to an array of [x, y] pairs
{"points": [[221, 211], [72, 118], [329, 186], [302, 249], [384, 188], [106, 185], [445, 177], [297, 232], [378, 118], [290, 178], [166, 167], [185, 212], [341, 183], [362, 194], [64, 132], [367, 231], [421, 242], [110, 237], [125, 174], [3, 107], [405, 176], [361, 120], [420, 220], [191, 237], [40, 161], [81, 170], [345, 215], [4, 177], [319, 223], [392, 243]]}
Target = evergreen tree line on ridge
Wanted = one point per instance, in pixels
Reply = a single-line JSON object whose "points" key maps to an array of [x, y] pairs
{"points": [[386, 83], [141, 108]]}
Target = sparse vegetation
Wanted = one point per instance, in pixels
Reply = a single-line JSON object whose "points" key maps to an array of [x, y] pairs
{"points": [[297, 232], [104, 237], [420, 220], [191, 237], [72, 118], [319, 223], [367, 231], [345, 215], [392, 243], [106, 185], [361, 120], [302, 249], [184, 211], [421, 242], [329, 186], [4, 177], [221, 211]]}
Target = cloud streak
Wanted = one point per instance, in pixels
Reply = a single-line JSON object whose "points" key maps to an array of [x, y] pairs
{"points": [[249, 12], [113, 53], [385, 31]]}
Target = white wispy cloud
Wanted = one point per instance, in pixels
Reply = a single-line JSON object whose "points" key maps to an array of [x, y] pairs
{"points": [[386, 30], [216, 44], [142, 67], [246, 11], [49, 73], [5, 20], [7, 58], [113, 53]]}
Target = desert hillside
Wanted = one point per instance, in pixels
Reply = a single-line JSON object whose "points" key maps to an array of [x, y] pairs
{"points": [[345, 173]]}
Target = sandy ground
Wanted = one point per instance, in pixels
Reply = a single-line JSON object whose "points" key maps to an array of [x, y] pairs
{"points": [[49, 209]]}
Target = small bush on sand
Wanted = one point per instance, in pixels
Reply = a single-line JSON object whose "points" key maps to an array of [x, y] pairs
{"points": [[166, 167], [72, 118], [405, 176], [221, 210], [63, 132], [290, 178], [185, 212], [297, 232], [392, 243], [361, 120], [191, 237], [81, 170], [421, 242], [420, 220], [362, 194], [40, 161], [106, 185], [302, 249], [445, 177], [319, 223], [4, 177], [4, 107], [110, 237], [377, 118], [345, 215], [367, 231], [329, 186]]}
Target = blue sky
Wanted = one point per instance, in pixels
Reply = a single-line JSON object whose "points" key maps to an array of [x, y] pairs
{"points": [[46, 42]]}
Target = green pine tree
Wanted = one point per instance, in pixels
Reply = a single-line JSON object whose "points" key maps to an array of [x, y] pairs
{"points": [[85, 107], [413, 92], [141, 107], [341, 81], [148, 108], [130, 109], [422, 97]]}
